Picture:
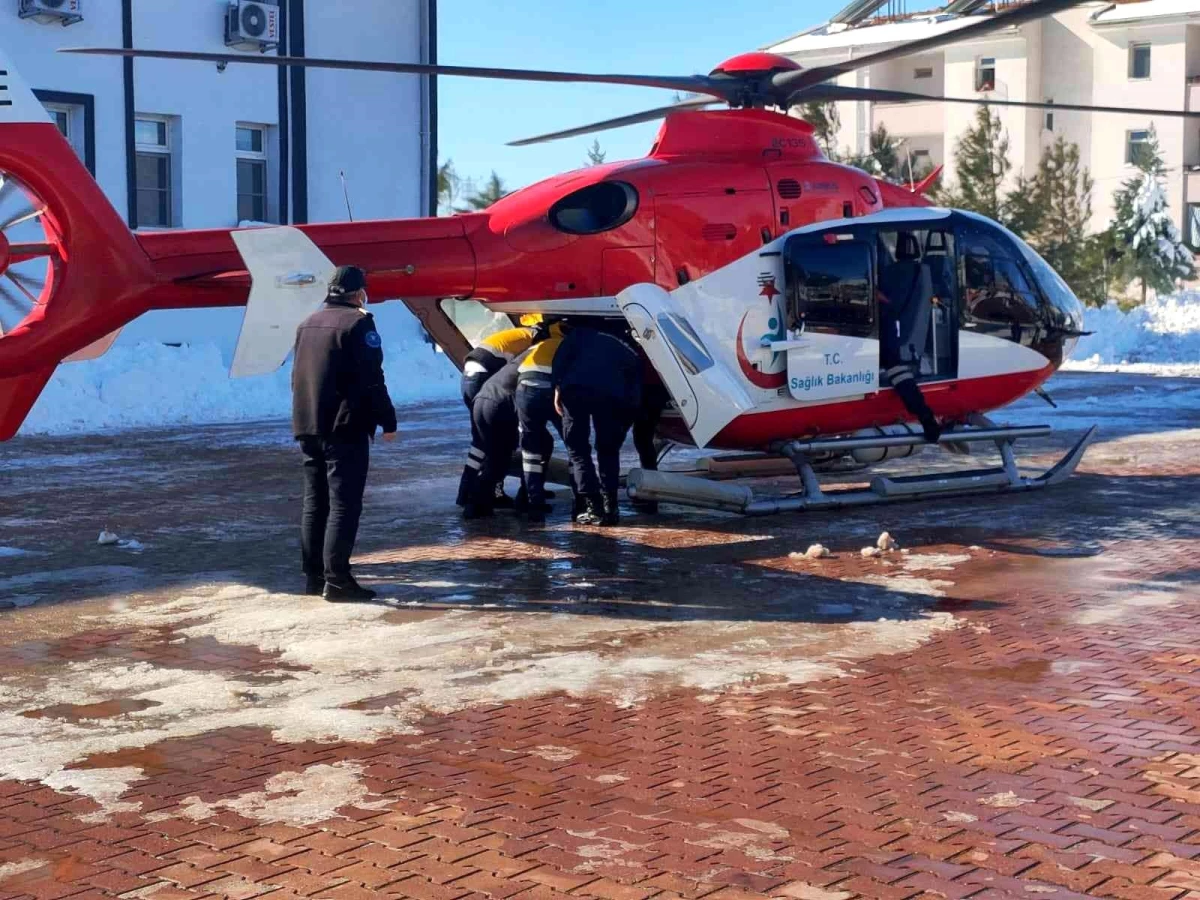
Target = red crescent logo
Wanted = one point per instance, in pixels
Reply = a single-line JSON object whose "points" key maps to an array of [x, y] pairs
{"points": [[755, 377]]}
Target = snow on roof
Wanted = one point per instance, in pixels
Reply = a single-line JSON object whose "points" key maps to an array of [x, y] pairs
{"points": [[833, 38], [1127, 12]]}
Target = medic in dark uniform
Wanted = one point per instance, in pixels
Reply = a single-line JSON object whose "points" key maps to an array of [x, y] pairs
{"points": [[597, 380], [339, 398], [494, 427], [493, 353], [905, 294]]}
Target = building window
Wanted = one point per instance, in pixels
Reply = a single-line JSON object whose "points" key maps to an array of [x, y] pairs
{"points": [[155, 203], [69, 120], [251, 173], [1139, 60], [985, 74], [1193, 226], [1135, 145], [1050, 116], [923, 72]]}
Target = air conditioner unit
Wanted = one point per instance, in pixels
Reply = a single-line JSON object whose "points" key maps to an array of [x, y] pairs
{"points": [[64, 11], [252, 25]]}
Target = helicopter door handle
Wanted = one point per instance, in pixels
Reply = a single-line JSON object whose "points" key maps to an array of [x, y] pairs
{"points": [[765, 233], [296, 279]]}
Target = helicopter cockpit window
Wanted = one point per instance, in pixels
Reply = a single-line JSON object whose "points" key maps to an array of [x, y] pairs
{"points": [[998, 292], [595, 208], [829, 285]]}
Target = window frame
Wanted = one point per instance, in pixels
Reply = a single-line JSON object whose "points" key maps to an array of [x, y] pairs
{"points": [[920, 73], [982, 86], [1129, 143], [81, 113], [259, 158], [167, 150], [1134, 47]]}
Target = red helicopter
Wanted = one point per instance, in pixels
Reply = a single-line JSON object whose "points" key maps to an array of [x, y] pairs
{"points": [[744, 260]]}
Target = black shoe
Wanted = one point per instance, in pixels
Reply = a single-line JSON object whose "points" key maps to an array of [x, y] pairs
{"points": [[477, 511], [611, 514], [347, 591], [933, 431], [536, 516], [593, 514], [314, 585], [503, 501]]}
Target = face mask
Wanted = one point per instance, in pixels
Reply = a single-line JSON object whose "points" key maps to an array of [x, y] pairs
{"points": [[365, 300]]}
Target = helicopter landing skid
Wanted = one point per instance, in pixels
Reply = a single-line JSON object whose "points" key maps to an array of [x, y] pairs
{"points": [[687, 490]]}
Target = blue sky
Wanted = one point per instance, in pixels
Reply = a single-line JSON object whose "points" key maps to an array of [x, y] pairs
{"points": [[660, 37]]}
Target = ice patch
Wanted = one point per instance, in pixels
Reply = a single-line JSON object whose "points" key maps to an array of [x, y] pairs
{"points": [[12, 552], [296, 798], [936, 561], [339, 656]]}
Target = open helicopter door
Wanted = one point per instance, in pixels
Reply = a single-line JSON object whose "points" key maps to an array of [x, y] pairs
{"points": [[707, 394], [832, 349]]}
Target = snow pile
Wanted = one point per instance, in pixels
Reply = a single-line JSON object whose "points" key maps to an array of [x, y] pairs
{"points": [[1165, 331], [152, 385]]}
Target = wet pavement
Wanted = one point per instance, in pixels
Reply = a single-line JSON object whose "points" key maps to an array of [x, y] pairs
{"points": [[683, 706]]}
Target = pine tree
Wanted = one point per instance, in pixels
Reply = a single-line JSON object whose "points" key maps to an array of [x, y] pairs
{"points": [[885, 150], [492, 191], [1060, 235], [982, 163], [825, 121], [1143, 237], [1025, 206], [595, 154]]}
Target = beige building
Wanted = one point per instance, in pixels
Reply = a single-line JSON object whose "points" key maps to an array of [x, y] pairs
{"points": [[1125, 54]]}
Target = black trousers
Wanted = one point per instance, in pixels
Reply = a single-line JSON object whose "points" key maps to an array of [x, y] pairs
{"points": [[493, 431], [581, 413], [335, 476], [535, 412], [654, 400]]}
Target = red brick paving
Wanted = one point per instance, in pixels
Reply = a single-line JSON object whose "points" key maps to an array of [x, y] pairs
{"points": [[1023, 754]]}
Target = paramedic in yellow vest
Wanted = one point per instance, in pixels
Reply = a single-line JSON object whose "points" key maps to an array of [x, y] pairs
{"points": [[493, 353], [535, 411]]}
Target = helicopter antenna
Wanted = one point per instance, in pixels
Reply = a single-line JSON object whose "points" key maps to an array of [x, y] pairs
{"points": [[346, 194]]}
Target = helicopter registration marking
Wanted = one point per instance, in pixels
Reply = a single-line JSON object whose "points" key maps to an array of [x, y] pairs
{"points": [[828, 366]]}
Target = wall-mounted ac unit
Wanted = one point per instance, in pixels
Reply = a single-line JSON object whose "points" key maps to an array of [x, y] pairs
{"points": [[65, 12], [252, 25]]}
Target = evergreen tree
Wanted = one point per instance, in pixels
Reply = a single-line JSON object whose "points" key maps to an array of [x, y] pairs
{"points": [[885, 150], [595, 154], [982, 163], [825, 121], [492, 191], [1148, 246], [1024, 206], [1060, 236]]}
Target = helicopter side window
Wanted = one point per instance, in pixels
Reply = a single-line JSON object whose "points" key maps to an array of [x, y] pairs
{"points": [[595, 208], [830, 286]]}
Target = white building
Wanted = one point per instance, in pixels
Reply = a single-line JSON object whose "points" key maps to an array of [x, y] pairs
{"points": [[1126, 54], [178, 144]]}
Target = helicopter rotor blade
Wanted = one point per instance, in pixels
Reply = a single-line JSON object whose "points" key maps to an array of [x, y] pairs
{"points": [[648, 115], [13, 302], [824, 93], [700, 84], [787, 84]]}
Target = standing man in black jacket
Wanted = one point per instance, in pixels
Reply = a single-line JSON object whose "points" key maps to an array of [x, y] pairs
{"points": [[339, 398]]}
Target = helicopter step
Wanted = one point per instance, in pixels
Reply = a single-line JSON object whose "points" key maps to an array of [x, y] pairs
{"points": [[689, 490]]}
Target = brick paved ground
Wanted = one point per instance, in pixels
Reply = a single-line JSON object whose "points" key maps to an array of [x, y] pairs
{"points": [[679, 711]]}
